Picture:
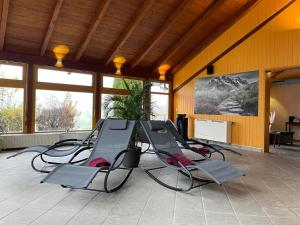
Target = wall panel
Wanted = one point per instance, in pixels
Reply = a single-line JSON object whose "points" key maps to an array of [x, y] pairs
{"points": [[276, 45]]}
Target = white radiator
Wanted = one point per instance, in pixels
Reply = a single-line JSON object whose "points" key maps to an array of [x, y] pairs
{"points": [[213, 130], [24, 140]]}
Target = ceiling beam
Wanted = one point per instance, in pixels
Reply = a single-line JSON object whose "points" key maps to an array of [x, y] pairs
{"points": [[51, 25], [129, 29], [213, 36], [190, 32], [93, 26], [4, 14], [159, 34], [276, 73]]}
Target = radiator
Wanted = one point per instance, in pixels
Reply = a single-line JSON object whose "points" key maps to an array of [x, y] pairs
{"points": [[9, 141], [213, 130]]}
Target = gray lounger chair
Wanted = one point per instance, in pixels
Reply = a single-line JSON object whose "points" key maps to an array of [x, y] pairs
{"points": [[207, 150], [60, 149], [171, 156], [111, 145]]}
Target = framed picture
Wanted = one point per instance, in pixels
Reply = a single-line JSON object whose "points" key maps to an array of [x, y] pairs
{"points": [[235, 94]]}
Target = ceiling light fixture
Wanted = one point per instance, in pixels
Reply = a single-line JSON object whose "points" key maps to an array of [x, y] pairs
{"points": [[118, 62], [162, 70], [60, 51]]}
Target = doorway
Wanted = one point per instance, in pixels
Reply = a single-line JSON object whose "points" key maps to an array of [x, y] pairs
{"points": [[283, 112]]}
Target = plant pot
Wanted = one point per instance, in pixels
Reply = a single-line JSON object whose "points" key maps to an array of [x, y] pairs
{"points": [[132, 157]]}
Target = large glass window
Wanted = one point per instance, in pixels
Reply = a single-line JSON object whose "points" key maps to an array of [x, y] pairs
{"points": [[117, 83], [114, 87], [160, 106], [62, 110], [11, 98], [160, 87], [8, 71], [108, 104], [64, 77], [11, 109], [160, 101]]}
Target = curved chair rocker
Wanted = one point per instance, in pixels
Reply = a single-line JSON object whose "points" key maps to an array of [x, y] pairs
{"points": [[143, 139], [172, 157], [62, 148], [206, 150], [107, 155]]}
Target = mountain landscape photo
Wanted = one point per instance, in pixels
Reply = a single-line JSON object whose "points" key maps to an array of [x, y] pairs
{"points": [[230, 94]]}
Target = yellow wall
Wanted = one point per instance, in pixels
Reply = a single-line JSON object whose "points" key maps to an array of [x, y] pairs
{"points": [[285, 101], [274, 46]]}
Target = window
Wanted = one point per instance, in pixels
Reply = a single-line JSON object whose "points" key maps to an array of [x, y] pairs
{"points": [[63, 110], [11, 98], [64, 77], [117, 83], [106, 100], [113, 86], [62, 103], [160, 87], [8, 71], [11, 109], [160, 106], [160, 101]]}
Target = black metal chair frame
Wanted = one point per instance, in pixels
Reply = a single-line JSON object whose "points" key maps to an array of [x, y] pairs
{"points": [[187, 143], [184, 170], [79, 146], [107, 171]]}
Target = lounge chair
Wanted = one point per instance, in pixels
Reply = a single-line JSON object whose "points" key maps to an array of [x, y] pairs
{"points": [[108, 152], [206, 149], [60, 149], [172, 157]]}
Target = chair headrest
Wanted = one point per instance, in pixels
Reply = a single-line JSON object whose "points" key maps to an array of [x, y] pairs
{"points": [[118, 124], [156, 125]]}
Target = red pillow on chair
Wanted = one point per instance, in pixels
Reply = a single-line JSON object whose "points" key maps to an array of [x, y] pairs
{"points": [[203, 150], [181, 158], [98, 162]]}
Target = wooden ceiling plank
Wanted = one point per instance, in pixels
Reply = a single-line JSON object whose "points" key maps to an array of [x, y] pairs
{"points": [[191, 31], [236, 44], [129, 29], [94, 24], [4, 15], [213, 36], [51, 25], [159, 34]]}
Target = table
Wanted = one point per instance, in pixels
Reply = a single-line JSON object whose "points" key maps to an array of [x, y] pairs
{"points": [[281, 137], [289, 125]]}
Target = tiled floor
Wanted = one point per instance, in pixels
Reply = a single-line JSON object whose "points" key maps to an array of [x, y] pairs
{"points": [[269, 194]]}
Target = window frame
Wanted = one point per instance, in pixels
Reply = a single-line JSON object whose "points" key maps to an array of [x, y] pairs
{"points": [[169, 93], [30, 85], [61, 87], [14, 83]]}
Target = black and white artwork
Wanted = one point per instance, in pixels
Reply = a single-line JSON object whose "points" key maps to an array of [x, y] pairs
{"points": [[235, 94]]}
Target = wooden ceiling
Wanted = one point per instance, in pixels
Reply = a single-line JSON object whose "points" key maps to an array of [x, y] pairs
{"points": [[146, 32]]}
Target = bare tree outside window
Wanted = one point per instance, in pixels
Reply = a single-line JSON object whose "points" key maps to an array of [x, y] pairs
{"points": [[11, 110], [55, 115]]}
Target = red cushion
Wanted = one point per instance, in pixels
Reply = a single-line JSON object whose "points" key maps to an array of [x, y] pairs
{"points": [[98, 162], [203, 150], [181, 158]]}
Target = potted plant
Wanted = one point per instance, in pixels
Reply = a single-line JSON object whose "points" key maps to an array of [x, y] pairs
{"points": [[134, 106]]}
